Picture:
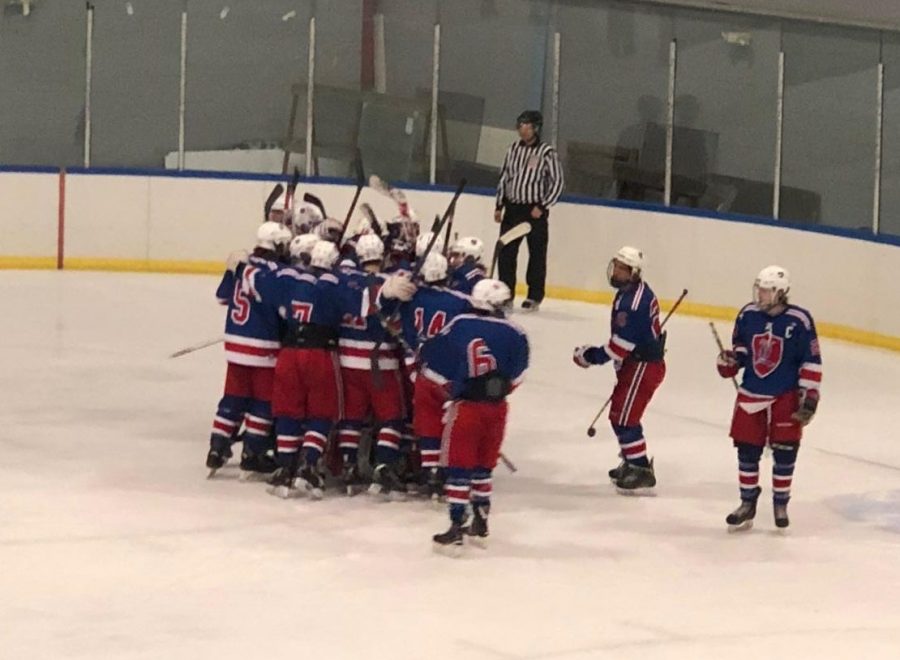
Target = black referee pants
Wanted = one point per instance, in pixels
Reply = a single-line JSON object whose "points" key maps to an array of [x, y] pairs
{"points": [[536, 275]]}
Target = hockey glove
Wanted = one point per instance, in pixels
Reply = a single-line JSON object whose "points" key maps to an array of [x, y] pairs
{"points": [[727, 364], [586, 356], [399, 286], [235, 258], [809, 401]]}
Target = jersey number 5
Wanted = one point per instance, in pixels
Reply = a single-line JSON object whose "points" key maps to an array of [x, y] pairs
{"points": [[241, 311], [481, 361]]}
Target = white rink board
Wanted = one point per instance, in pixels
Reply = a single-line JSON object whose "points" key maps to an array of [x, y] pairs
{"points": [[29, 214], [167, 219], [114, 545]]}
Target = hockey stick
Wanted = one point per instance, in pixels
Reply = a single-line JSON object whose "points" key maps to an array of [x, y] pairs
{"points": [[508, 463], [270, 201], [592, 431], [514, 234], [315, 201], [291, 190], [367, 211], [360, 184], [712, 326], [386, 323], [196, 347], [379, 185]]}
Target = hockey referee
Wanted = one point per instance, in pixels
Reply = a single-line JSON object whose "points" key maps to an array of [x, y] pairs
{"points": [[531, 180]]}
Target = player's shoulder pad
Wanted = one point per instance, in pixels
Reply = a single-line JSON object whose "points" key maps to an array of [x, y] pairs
{"points": [[329, 278], [800, 313], [295, 274], [259, 262], [749, 307]]}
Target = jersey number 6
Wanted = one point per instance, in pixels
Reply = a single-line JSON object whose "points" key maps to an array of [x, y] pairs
{"points": [[481, 361]]}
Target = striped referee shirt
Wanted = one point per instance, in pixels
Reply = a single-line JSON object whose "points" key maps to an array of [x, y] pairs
{"points": [[530, 175]]}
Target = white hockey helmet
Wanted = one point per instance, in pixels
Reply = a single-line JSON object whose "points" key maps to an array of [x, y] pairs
{"points": [[330, 229], [468, 247], [369, 248], [307, 215], [434, 269], [424, 239], [775, 279], [272, 235], [490, 295], [302, 245], [628, 256], [324, 255]]}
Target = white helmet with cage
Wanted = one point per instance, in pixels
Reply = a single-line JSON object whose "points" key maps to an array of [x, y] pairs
{"points": [[631, 257], [306, 216], [777, 282]]}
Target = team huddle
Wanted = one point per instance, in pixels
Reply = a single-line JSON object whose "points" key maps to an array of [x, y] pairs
{"points": [[379, 337], [382, 361]]}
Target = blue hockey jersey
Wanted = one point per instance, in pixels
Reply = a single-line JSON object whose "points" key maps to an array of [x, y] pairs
{"points": [[252, 324], [361, 330], [634, 324], [431, 308], [464, 278], [472, 346], [777, 353], [308, 297]]}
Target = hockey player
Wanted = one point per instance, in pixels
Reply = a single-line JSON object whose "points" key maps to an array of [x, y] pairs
{"points": [[307, 375], [479, 359], [465, 264], [637, 349], [775, 343], [251, 348], [430, 310], [361, 334]]}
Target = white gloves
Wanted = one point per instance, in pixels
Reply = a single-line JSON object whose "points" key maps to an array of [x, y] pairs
{"points": [[399, 286], [235, 258]]}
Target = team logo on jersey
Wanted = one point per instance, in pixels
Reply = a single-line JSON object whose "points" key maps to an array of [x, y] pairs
{"points": [[767, 353], [622, 319]]}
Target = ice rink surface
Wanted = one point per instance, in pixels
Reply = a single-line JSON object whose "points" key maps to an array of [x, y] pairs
{"points": [[114, 545]]}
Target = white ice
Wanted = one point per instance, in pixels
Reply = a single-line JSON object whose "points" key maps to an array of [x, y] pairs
{"points": [[114, 545]]}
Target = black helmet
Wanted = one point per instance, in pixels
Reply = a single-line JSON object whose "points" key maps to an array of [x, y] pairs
{"points": [[533, 117]]}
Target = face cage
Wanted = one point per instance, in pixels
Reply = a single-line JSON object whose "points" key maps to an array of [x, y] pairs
{"points": [[610, 269], [779, 296]]}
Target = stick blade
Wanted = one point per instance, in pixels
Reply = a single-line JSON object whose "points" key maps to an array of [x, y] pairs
{"points": [[514, 234]]}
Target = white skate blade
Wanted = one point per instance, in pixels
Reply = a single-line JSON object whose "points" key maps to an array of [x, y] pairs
{"points": [[284, 492], [314, 492], [453, 550], [478, 541], [743, 527], [212, 473], [249, 476], [637, 492]]}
